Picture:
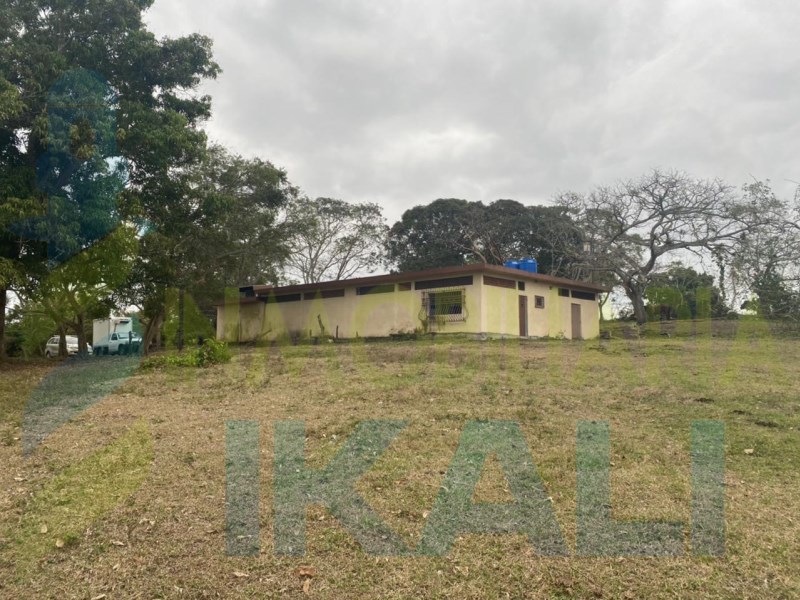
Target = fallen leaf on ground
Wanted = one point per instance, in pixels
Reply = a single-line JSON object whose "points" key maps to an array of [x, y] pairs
{"points": [[43, 529], [749, 451], [117, 543], [59, 543], [240, 574], [305, 571], [307, 585]]}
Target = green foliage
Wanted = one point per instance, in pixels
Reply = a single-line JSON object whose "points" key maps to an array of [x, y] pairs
{"points": [[683, 293], [211, 352], [774, 299], [70, 295], [58, 119], [35, 328], [429, 236], [449, 232], [210, 226], [15, 338], [196, 324]]}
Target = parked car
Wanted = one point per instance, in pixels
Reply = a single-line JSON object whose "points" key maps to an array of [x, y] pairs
{"points": [[51, 349]]}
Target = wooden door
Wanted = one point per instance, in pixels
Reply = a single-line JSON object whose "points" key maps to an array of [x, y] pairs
{"points": [[577, 331], [523, 316]]}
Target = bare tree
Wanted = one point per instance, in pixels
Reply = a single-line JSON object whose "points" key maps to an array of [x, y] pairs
{"points": [[332, 239], [629, 230]]}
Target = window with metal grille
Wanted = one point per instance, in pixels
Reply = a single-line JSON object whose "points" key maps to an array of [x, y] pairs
{"points": [[444, 306], [539, 301]]}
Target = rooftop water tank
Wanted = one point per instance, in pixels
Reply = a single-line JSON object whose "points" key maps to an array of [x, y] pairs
{"points": [[523, 264], [529, 264]]}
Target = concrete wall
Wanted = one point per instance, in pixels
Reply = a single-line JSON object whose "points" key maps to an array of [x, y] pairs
{"points": [[350, 316], [501, 316], [489, 309]]}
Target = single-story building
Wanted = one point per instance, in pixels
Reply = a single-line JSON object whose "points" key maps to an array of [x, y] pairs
{"points": [[476, 299]]}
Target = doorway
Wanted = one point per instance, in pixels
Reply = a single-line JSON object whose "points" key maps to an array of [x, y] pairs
{"points": [[576, 322], [523, 316]]}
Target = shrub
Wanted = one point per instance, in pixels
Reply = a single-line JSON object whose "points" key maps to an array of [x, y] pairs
{"points": [[212, 352]]}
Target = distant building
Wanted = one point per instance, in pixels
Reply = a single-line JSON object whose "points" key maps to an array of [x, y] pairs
{"points": [[475, 299]]}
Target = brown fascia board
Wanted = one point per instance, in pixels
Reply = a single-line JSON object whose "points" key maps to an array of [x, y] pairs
{"points": [[549, 279], [263, 291]]}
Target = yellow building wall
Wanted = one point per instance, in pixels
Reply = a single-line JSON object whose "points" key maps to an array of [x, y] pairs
{"points": [[350, 316], [501, 314], [489, 309]]}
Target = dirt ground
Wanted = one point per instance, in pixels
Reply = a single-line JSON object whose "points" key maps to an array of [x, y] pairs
{"points": [[122, 494]]}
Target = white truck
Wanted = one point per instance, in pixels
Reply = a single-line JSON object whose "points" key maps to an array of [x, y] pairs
{"points": [[114, 335]]}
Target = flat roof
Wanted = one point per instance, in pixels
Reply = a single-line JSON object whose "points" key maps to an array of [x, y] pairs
{"points": [[408, 276]]}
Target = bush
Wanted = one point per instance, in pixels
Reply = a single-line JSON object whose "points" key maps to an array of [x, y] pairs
{"points": [[212, 352]]}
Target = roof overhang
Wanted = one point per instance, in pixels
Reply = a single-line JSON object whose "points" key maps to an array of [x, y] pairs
{"points": [[263, 291]]}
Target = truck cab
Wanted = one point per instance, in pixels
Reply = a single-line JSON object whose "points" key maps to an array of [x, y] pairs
{"points": [[115, 336]]}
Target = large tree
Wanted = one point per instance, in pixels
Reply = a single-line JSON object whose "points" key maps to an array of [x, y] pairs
{"points": [[215, 225], [153, 102], [332, 239], [632, 229], [74, 292], [682, 292], [764, 263], [450, 232]]}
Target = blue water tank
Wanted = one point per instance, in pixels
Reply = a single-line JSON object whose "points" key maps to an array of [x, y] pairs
{"points": [[512, 264], [529, 265]]}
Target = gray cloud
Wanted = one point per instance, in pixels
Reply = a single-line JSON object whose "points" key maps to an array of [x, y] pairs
{"points": [[408, 101]]}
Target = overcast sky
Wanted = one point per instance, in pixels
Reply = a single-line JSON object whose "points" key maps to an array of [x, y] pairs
{"points": [[402, 102]]}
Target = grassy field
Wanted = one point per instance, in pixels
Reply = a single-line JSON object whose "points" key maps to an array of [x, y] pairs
{"points": [[127, 499]]}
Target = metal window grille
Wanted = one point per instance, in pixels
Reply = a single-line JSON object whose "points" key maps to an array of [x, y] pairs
{"points": [[444, 306]]}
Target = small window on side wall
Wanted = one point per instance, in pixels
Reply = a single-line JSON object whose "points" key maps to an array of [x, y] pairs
{"points": [[521, 286], [583, 295], [563, 292], [539, 302]]}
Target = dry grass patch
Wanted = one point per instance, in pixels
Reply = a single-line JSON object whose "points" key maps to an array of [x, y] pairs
{"points": [[649, 390]]}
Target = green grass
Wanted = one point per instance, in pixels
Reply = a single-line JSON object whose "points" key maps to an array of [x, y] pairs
{"points": [[170, 511], [69, 503]]}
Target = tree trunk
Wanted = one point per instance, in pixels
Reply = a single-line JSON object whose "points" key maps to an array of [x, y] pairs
{"points": [[153, 327], [181, 319], [602, 303], [636, 297], [62, 341], [3, 303], [81, 330]]}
